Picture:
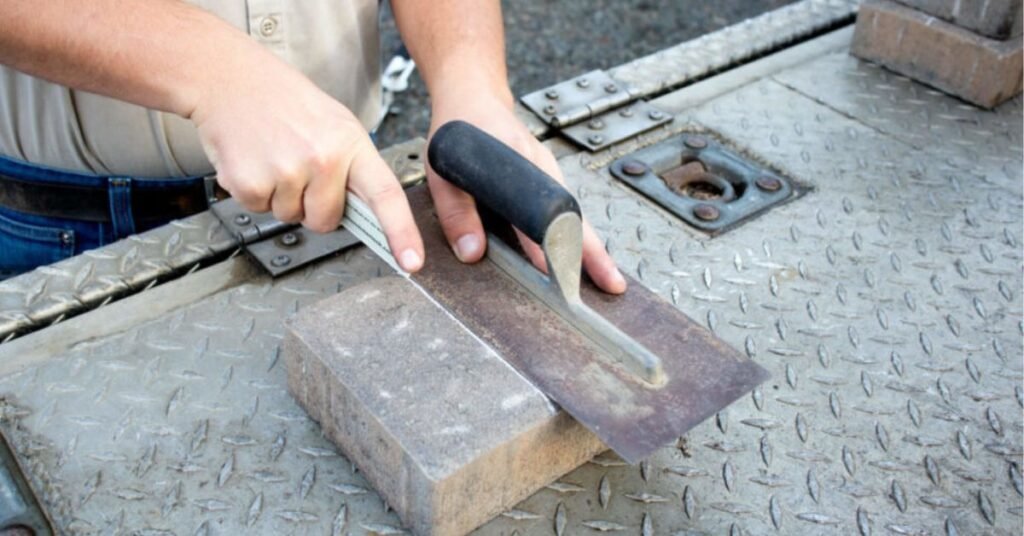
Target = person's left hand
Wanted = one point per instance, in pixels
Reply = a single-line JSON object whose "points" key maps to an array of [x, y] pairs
{"points": [[456, 210]]}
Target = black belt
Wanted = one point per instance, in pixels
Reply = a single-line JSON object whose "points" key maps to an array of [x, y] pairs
{"points": [[92, 203]]}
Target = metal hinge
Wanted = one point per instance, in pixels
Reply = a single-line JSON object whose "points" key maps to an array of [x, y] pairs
{"points": [[594, 110], [279, 247]]}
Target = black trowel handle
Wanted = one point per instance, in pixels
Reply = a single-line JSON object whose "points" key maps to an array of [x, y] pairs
{"points": [[499, 177]]}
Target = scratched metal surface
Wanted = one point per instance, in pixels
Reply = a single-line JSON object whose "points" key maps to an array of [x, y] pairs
{"points": [[886, 304]]}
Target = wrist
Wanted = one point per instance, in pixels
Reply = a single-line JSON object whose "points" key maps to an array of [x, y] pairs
{"points": [[467, 83]]}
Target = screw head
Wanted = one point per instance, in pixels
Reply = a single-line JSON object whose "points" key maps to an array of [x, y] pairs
{"points": [[611, 88], [595, 139], [550, 109], [242, 219], [634, 168], [706, 212], [583, 83], [656, 115], [626, 112], [769, 184], [551, 94], [281, 260], [289, 239], [595, 124], [695, 142]]}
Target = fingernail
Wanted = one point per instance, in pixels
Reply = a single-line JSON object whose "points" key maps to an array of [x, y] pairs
{"points": [[619, 277], [410, 260], [467, 246]]}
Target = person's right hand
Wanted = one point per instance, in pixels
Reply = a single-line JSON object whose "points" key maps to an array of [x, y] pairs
{"points": [[279, 143]]}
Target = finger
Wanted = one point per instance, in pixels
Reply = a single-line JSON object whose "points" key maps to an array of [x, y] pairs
{"points": [[286, 201], [372, 180], [247, 187], [533, 252], [324, 202], [599, 264], [456, 211]]}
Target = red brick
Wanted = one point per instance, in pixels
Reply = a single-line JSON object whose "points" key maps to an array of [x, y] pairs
{"points": [[998, 19], [977, 69]]}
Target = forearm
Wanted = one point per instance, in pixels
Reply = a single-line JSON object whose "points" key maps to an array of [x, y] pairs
{"points": [[458, 45], [161, 54]]}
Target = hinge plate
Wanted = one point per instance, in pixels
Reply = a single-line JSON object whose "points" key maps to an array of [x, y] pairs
{"points": [[277, 246], [594, 110]]}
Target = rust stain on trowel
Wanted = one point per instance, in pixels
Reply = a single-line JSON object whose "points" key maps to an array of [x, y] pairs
{"points": [[704, 373]]}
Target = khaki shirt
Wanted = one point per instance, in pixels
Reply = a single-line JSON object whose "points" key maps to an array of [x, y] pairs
{"points": [[334, 42]]}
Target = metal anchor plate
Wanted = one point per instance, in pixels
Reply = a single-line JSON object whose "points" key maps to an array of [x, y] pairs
{"points": [[702, 182]]}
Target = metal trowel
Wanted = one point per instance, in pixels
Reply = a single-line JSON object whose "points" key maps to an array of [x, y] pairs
{"points": [[632, 368]]}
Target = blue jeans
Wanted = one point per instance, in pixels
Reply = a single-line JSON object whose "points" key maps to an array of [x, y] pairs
{"points": [[29, 240]]}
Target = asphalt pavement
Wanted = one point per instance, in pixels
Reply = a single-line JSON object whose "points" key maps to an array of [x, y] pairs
{"points": [[552, 40]]}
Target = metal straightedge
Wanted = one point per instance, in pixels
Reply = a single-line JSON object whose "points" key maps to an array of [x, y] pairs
{"points": [[594, 110]]}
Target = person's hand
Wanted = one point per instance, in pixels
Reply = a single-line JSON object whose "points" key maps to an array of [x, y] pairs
{"points": [[456, 210], [279, 143]]}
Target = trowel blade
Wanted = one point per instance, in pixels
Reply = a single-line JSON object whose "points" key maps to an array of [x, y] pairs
{"points": [[704, 373]]}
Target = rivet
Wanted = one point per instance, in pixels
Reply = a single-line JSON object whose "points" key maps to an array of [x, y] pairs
{"points": [[551, 94], [706, 212], [769, 184], [595, 139], [695, 142], [626, 112], [634, 168], [281, 260], [66, 237], [583, 83], [242, 219], [550, 109], [611, 88], [595, 124], [289, 239], [655, 115]]}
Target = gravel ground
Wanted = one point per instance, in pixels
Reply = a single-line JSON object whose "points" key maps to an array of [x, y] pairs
{"points": [[552, 40]]}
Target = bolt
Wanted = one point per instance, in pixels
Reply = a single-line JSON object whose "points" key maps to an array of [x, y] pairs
{"points": [[550, 109], [289, 239], [595, 124], [281, 260], [656, 115], [634, 168], [695, 142], [626, 112], [769, 184], [611, 88], [242, 219], [583, 83], [551, 94], [595, 139], [706, 212]]}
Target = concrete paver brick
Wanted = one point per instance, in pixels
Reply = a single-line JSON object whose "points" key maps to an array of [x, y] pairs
{"points": [[445, 430], [998, 19], [977, 69]]}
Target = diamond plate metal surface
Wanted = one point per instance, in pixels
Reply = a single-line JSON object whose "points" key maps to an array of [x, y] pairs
{"points": [[886, 303], [972, 139], [50, 293], [732, 45]]}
